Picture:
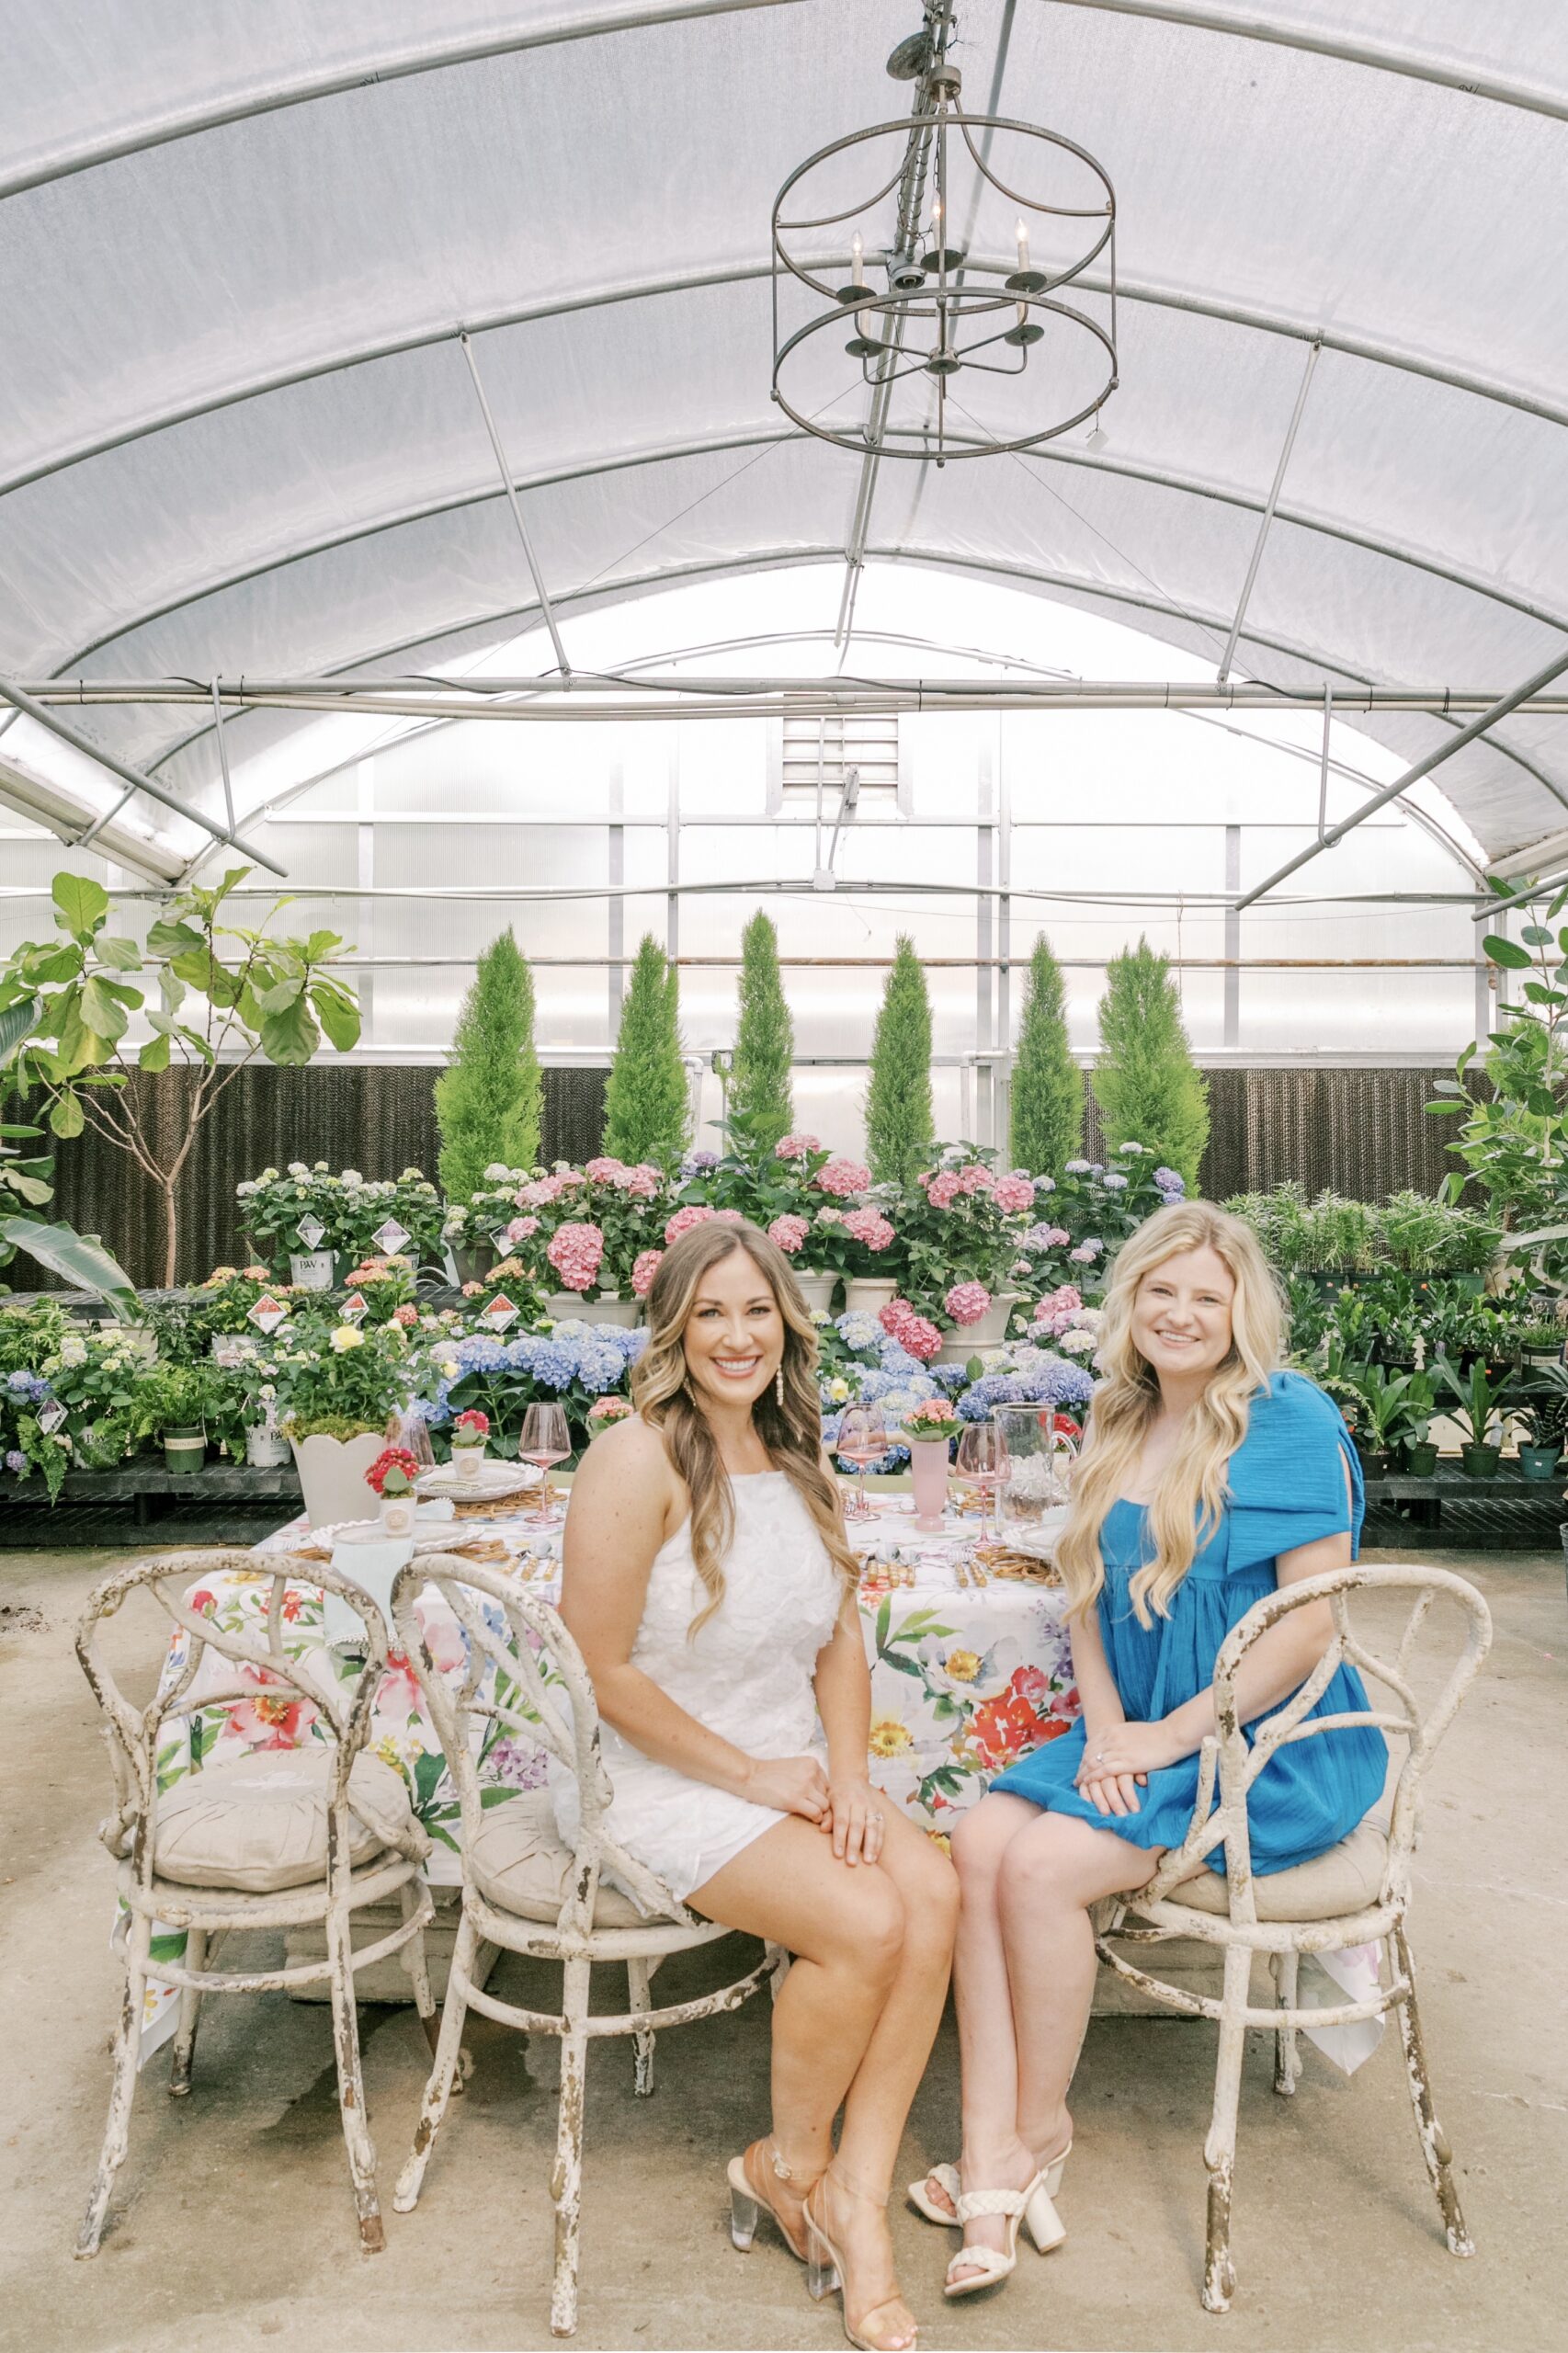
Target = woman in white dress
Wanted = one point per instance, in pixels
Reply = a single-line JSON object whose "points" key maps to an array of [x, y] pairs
{"points": [[710, 1587]]}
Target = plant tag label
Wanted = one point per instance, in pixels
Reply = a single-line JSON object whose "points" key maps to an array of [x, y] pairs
{"points": [[354, 1309], [499, 1313], [391, 1237], [53, 1414], [501, 1242], [267, 1313], [310, 1230]]}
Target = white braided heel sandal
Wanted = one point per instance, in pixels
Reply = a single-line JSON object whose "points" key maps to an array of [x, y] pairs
{"points": [[947, 2178], [989, 2264]]}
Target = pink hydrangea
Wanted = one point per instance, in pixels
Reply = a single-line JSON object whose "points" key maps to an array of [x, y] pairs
{"points": [[642, 1182], [842, 1178], [535, 1194], [789, 1233], [1056, 1311], [405, 1314], [694, 1213], [729, 1217], [605, 1169], [976, 1179], [868, 1226], [915, 1333], [644, 1272], [796, 1147], [576, 1251], [967, 1303], [1013, 1194], [521, 1227], [943, 1190]]}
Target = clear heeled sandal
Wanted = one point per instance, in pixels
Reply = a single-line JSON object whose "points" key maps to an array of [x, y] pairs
{"points": [[825, 2273], [746, 2201]]}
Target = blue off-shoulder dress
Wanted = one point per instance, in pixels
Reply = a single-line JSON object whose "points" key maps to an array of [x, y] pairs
{"points": [[1286, 1486]]}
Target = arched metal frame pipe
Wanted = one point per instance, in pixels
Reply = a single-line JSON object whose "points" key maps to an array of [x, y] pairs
{"points": [[1381, 57], [388, 66], [1436, 371]]}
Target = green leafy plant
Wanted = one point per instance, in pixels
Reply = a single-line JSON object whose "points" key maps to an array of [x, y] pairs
{"points": [[765, 1042], [1146, 1082], [1481, 1396], [1541, 1403], [1047, 1107], [342, 1375], [175, 1396], [1394, 1407], [27, 1178], [647, 1112], [490, 1098], [900, 1128], [79, 1260], [211, 994]]}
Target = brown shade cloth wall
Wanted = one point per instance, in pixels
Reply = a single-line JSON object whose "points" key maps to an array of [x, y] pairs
{"points": [[1362, 1132]]}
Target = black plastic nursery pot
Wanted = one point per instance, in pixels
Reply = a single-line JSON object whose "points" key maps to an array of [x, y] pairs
{"points": [[1539, 1461], [1420, 1460], [1480, 1462], [185, 1450]]}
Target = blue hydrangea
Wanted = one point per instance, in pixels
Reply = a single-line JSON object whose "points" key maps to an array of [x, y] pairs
{"points": [[15, 1461], [949, 1378], [479, 1353], [31, 1386], [1115, 1184], [600, 1368], [1044, 1185], [859, 1329], [1078, 1168], [1170, 1181]]}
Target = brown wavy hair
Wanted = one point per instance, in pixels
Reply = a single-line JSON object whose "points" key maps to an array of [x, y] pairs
{"points": [[664, 1396]]}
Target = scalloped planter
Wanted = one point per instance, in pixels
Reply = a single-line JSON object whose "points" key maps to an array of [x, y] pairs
{"points": [[868, 1294], [816, 1289], [961, 1341], [563, 1305], [331, 1476]]}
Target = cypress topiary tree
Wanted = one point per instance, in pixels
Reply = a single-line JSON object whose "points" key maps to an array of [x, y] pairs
{"points": [[489, 1099], [647, 1116], [1047, 1125], [900, 1130], [1146, 1085], [765, 1041]]}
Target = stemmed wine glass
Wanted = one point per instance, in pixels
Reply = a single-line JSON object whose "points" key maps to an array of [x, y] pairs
{"points": [[545, 1439], [862, 1439], [982, 1464]]}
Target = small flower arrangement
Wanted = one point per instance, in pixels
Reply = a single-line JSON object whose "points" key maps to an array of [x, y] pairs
{"points": [[393, 1472], [934, 1418], [470, 1428], [606, 1411]]}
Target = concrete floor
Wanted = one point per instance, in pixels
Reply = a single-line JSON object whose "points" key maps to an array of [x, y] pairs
{"points": [[232, 2225]]}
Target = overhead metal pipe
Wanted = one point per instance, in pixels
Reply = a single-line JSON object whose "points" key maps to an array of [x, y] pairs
{"points": [[45, 718], [1290, 431], [509, 486], [1336, 833]]}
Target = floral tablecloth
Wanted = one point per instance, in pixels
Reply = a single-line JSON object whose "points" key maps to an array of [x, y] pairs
{"points": [[966, 1677]]}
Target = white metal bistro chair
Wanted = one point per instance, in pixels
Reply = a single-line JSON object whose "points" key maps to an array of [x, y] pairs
{"points": [[527, 1892], [1355, 1894], [276, 1838]]}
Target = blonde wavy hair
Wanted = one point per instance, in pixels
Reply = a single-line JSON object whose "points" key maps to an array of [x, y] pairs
{"points": [[791, 1431], [1191, 1496]]}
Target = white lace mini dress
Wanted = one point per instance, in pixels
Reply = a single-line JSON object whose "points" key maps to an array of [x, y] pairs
{"points": [[747, 1675]]}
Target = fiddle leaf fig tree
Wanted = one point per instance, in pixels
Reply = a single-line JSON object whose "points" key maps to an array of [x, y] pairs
{"points": [[212, 994]]}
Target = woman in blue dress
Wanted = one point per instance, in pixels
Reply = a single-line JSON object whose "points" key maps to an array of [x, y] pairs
{"points": [[1209, 1477]]}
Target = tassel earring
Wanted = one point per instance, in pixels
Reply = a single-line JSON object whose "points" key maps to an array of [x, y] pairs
{"points": [[778, 1384]]}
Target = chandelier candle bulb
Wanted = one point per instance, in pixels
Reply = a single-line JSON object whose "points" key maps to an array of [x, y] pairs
{"points": [[857, 261], [1023, 255]]}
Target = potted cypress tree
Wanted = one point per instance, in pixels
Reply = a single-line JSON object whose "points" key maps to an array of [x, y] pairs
{"points": [[758, 1091], [900, 1128], [647, 1112], [1145, 1082], [489, 1099], [1046, 1112]]}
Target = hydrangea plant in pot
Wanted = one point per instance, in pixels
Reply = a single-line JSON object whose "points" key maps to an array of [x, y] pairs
{"points": [[337, 1390]]}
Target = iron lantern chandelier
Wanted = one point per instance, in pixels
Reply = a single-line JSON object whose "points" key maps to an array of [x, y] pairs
{"points": [[955, 349]]}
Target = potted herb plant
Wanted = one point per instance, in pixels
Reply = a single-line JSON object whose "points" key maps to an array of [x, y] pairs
{"points": [[1482, 1399]]}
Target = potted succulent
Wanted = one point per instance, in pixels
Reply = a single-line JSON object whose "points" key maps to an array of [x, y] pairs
{"points": [[391, 1477], [469, 1432], [1481, 1403]]}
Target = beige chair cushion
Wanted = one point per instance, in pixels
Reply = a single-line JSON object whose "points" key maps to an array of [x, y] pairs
{"points": [[259, 1822], [521, 1866], [1346, 1879]]}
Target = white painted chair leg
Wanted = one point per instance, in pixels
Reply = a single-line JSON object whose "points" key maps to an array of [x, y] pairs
{"points": [[639, 1999], [443, 2074], [411, 1895], [566, 2181], [351, 2082], [1434, 2146], [127, 2055], [1285, 1968], [189, 2014], [1219, 2149]]}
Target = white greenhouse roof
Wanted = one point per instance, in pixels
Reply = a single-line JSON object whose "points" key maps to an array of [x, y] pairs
{"points": [[238, 243]]}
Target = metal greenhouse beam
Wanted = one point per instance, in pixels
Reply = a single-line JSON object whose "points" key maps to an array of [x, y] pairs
{"points": [[1273, 500], [1383, 57], [43, 717], [1336, 833], [509, 486]]}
